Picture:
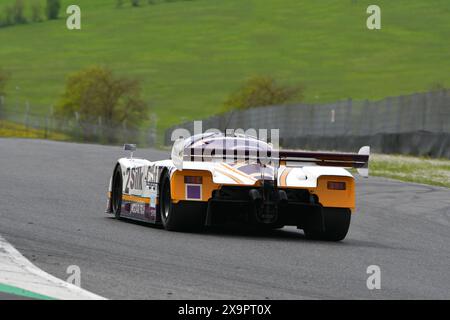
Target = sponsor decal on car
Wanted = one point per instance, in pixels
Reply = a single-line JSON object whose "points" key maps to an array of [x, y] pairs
{"points": [[137, 208]]}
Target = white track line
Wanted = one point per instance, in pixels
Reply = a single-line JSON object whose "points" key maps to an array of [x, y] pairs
{"points": [[18, 271]]}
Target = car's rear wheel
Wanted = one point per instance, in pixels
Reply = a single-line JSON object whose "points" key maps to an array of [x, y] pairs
{"points": [[336, 222], [116, 194], [177, 217]]}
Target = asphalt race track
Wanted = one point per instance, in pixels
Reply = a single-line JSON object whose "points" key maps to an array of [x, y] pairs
{"points": [[52, 198]]}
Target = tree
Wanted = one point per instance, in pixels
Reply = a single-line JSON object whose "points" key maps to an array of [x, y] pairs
{"points": [[96, 95], [52, 9], [8, 16], [36, 11], [261, 91], [18, 12], [135, 3]]}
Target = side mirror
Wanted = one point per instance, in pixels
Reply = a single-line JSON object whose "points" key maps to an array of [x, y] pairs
{"points": [[131, 148]]}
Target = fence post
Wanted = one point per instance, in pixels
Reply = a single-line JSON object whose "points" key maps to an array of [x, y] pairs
{"points": [[444, 113], [100, 131], [2, 101], [46, 128], [27, 110], [152, 136], [50, 121], [80, 132], [125, 132], [349, 119]]}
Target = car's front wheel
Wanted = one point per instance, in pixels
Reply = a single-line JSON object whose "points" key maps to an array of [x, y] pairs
{"points": [[116, 192]]}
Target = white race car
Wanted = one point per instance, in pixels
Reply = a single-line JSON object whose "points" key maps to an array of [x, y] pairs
{"points": [[215, 179]]}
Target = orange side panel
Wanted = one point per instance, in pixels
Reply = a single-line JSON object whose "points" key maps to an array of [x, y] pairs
{"points": [[178, 187], [137, 199], [131, 198], [335, 198]]}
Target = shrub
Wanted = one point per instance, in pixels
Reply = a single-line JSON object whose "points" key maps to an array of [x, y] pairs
{"points": [[8, 16], [52, 9], [18, 12], [135, 3], [96, 93], [263, 91], [36, 11], [437, 86]]}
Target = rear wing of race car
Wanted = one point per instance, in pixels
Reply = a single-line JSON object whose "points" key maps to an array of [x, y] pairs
{"points": [[359, 161]]}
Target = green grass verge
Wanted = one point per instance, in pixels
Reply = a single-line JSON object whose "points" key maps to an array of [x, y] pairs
{"points": [[411, 169], [192, 54], [22, 292], [11, 129]]}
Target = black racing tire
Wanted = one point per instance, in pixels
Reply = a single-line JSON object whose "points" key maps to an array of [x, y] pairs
{"points": [[116, 192], [176, 217], [336, 222]]}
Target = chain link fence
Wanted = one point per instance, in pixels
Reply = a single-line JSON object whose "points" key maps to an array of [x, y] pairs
{"points": [[27, 123], [417, 124]]}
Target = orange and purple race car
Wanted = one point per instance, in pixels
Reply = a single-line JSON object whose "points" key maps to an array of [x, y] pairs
{"points": [[213, 179]]}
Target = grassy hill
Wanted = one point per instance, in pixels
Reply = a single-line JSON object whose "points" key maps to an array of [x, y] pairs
{"points": [[191, 54]]}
